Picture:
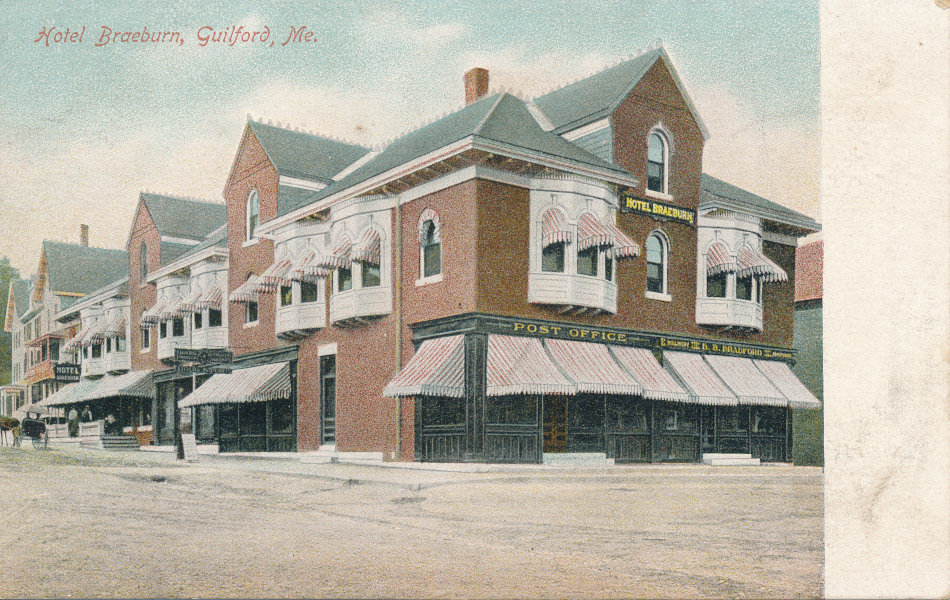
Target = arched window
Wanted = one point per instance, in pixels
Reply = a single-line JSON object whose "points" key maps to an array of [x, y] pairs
{"points": [[657, 263], [657, 163], [143, 261], [430, 244], [253, 213]]}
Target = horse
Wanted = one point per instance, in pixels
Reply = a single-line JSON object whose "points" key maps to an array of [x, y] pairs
{"points": [[12, 425]]}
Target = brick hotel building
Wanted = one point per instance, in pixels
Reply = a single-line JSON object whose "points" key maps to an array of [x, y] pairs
{"points": [[515, 280]]}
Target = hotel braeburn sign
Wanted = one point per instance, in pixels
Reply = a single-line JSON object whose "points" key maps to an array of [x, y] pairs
{"points": [[657, 210]]}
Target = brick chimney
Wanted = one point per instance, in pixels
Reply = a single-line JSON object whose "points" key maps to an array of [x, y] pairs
{"points": [[476, 84], [84, 235]]}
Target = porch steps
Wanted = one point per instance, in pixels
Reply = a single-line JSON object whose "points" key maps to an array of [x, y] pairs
{"points": [[110, 442], [729, 460], [328, 454], [577, 459]]}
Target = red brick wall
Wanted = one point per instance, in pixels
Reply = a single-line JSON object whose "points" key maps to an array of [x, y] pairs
{"points": [[252, 170], [142, 295]]}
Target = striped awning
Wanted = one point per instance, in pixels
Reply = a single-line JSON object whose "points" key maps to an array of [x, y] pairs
{"points": [[116, 327], [703, 385], [210, 298], [368, 246], [437, 369], [276, 275], [136, 384], [519, 365], [308, 268], [624, 246], [755, 264], [190, 304], [339, 257], [253, 384], [72, 393], [591, 232], [154, 314], [785, 380], [642, 365], [746, 381], [92, 335], [247, 291], [75, 342], [172, 308], [592, 368], [719, 261], [554, 228]]}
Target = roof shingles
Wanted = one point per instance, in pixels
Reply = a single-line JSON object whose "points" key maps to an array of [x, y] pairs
{"points": [[76, 269]]}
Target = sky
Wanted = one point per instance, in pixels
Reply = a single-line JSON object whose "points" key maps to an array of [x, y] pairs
{"points": [[86, 125]]}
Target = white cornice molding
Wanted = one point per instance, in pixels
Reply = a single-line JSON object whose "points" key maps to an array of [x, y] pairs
{"points": [[186, 262], [177, 240], [297, 182]]}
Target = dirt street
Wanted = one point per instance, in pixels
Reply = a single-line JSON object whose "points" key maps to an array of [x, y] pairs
{"points": [[134, 524]]}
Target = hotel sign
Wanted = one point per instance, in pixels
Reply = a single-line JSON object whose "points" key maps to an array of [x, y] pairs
{"points": [[66, 372], [657, 210]]}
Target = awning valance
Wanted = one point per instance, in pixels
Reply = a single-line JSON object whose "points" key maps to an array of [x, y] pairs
{"points": [[116, 327], [368, 246], [719, 261], [247, 291], [276, 275], [436, 369], [703, 385], [624, 247], [172, 308], [592, 368], [785, 380], [339, 257], [92, 335], [190, 303], [154, 314], [137, 384], [253, 384], [210, 298], [657, 384], [755, 264], [519, 365], [554, 228], [746, 381], [591, 232], [308, 267], [75, 342]]}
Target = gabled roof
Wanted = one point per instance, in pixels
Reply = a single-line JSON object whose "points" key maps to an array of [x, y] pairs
{"points": [[717, 193], [73, 269], [171, 251], [809, 265], [20, 289], [598, 96], [216, 239], [304, 155], [183, 217], [501, 122]]}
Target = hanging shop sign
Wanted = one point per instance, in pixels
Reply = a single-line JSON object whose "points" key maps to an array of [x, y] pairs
{"points": [[203, 355], [67, 372], [657, 210], [203, 369]]}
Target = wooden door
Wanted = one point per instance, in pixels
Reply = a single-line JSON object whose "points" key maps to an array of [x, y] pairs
{"points": [[555, 424]]}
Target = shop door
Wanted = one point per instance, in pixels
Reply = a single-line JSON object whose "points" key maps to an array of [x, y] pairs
{"points": [[328, 396], [555, 424]]}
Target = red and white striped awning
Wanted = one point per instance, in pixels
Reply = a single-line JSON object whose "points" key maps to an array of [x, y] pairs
{"points": [[190, 304], [703, 385], [624, 246], [592, 368], [785, 380], [253, 384], [339, 257], [746, 381], [591, 232], [519, 365], [755, 264], [93, 334], [437, 369], [247, 291], [210, 298], [657, 384], [172, 309], [116, 327], [554, 228], [276, 275], [154, 314], [307, 268], [718, 260], [368, 246], [75, 342]]}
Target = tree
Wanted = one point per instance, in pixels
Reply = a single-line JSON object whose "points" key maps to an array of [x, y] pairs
{"points": [[7, 274]]}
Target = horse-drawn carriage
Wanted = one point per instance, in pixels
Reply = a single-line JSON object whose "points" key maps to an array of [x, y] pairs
{"points": [[31, 427]]}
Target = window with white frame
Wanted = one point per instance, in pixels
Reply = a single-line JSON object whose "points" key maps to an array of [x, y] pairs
{"points": [[253, 214], [658, 249], [430, 244], [143, 260], [146, 332], [658, 153]]}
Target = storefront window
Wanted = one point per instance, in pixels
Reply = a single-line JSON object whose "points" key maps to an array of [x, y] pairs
{"points": [[512, 410], [439, 410], [253, 418], [768, 420], [204, 421], [733, 419], [282, 417]]}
